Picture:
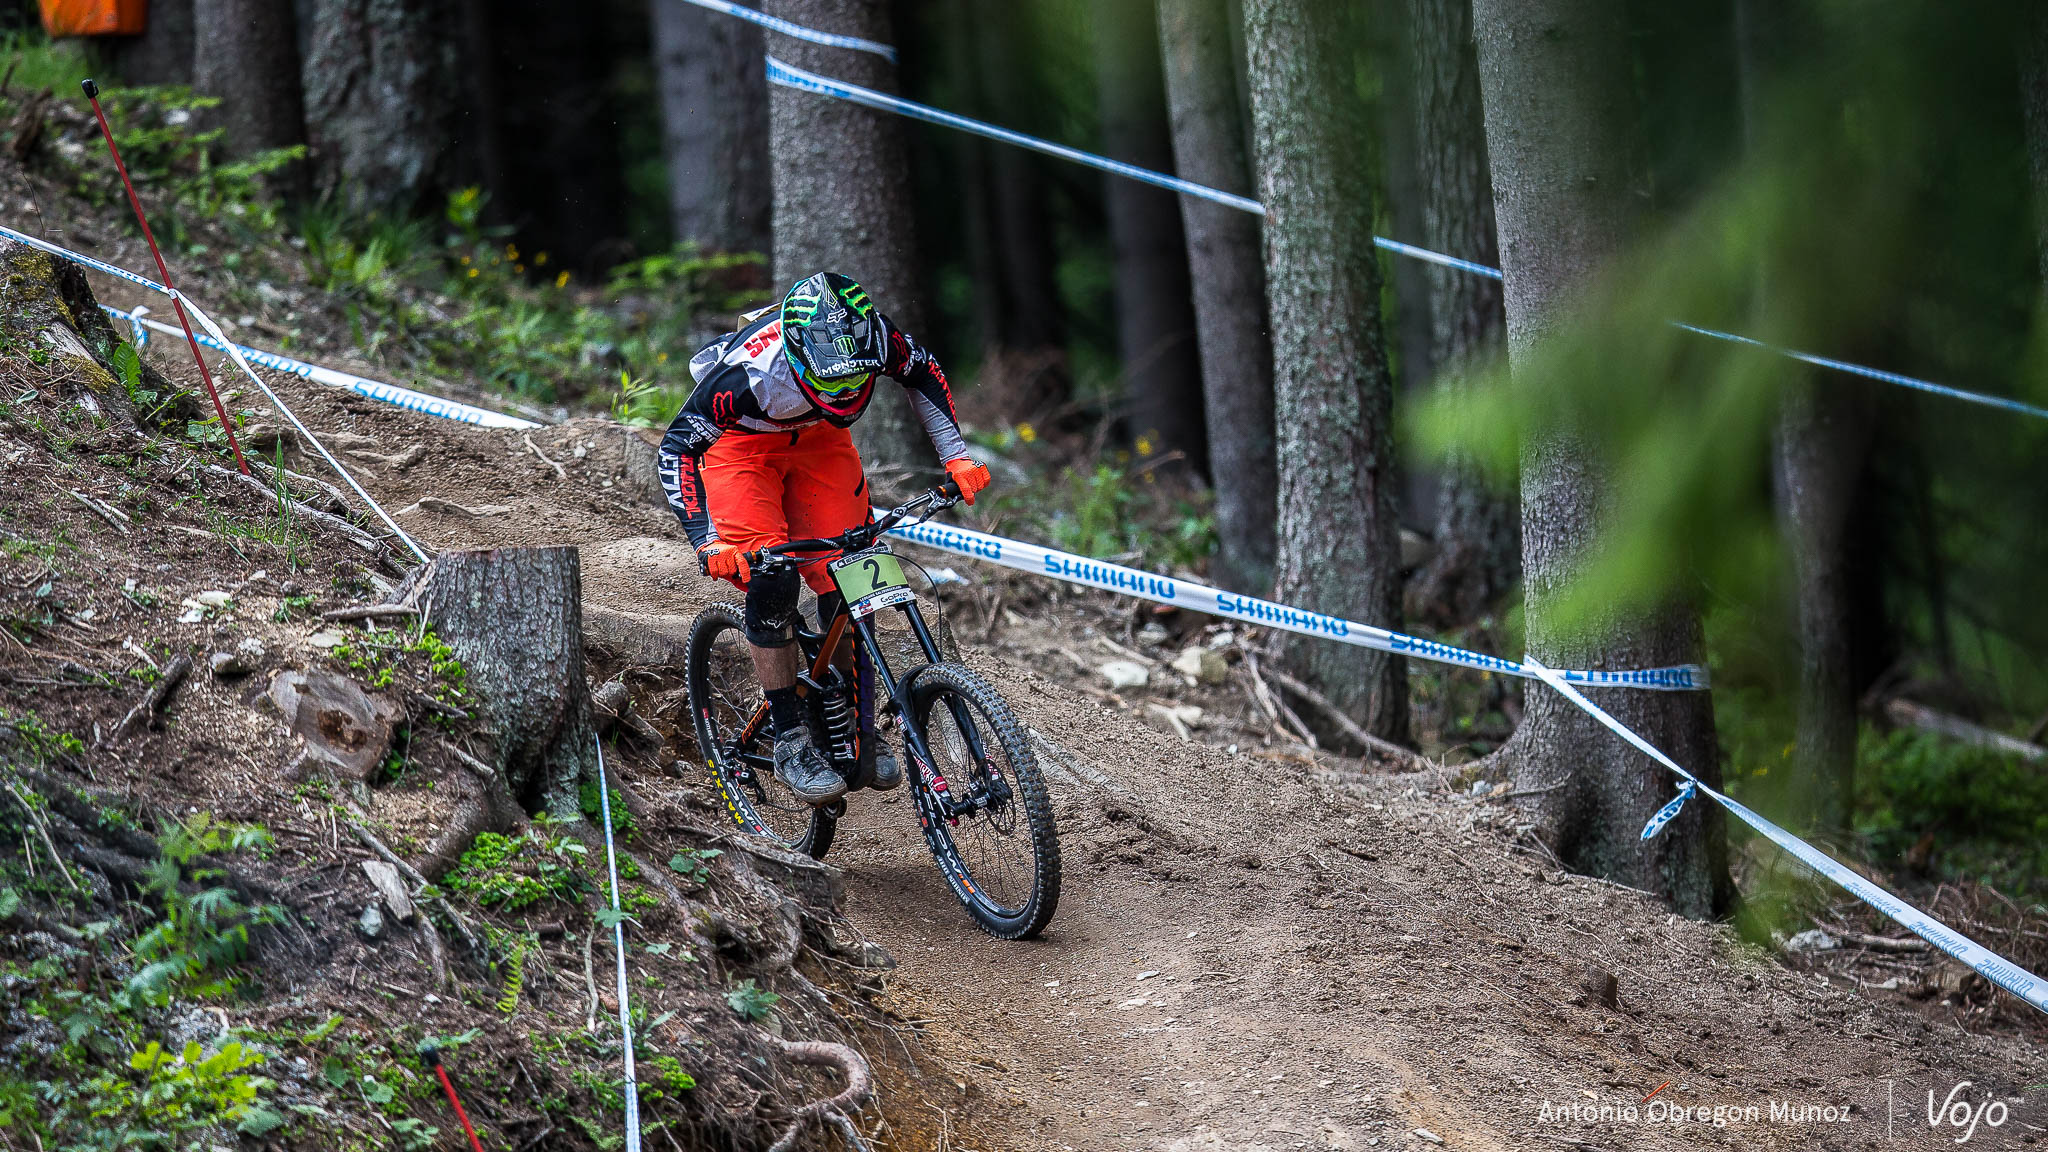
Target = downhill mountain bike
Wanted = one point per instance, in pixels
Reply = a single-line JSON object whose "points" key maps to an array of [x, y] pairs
{"points": [[979, 797]]}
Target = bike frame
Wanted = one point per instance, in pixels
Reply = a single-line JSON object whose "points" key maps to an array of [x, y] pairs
{"points": [[898, 692]]}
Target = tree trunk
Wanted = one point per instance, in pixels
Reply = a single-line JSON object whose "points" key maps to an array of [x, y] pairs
{"points": [[1155, 318], [843, 198], [246, 52], [1822, 436], [1338, 547], [1027, 332], [714, 110], [1209, 147], [1555, 79], [1477, 536], [514, 617], [383, 83], [553, 148], [162, 55], [2034, 104]]}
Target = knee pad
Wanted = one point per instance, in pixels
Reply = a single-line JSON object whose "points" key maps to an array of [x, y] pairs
{"points": [[771, 607]]}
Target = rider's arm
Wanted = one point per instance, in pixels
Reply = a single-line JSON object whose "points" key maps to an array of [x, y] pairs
{"points": [[911, 365], [713, 408]]}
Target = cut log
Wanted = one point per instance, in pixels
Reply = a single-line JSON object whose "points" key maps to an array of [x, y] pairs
{"points": [[514, 617], [1910, 715]]}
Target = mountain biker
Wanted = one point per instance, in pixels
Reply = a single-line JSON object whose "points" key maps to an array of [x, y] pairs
{"points": [[787, 385]]}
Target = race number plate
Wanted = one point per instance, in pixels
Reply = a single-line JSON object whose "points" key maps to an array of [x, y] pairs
{"points": [[870, 580]]}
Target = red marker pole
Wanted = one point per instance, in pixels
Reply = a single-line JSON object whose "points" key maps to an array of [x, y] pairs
{"points": [[92, 93], [433, 1056]]}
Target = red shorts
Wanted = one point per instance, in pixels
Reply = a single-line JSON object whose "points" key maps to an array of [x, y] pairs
{"points": [[772, 487]]}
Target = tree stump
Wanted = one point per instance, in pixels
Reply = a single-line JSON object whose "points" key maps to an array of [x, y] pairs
{"points": [[514, 617], [49, 315]]}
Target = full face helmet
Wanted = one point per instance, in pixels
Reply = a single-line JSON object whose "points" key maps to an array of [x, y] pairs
{"points": [[833, 338]]}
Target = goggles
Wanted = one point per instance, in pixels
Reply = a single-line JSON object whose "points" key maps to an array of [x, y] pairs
{"points": [[836, 387]]}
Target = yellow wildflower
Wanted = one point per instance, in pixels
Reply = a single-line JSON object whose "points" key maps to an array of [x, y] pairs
{"points": [[1027, 433]]}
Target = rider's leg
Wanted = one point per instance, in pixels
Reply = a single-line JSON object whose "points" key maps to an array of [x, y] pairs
{"points": [[771, 618]]}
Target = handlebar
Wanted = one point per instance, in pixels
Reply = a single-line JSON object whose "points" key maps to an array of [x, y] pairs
{"points": [[924, 505]]}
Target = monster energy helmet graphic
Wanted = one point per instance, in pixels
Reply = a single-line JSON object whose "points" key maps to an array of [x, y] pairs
{"points": [[834, 338]]}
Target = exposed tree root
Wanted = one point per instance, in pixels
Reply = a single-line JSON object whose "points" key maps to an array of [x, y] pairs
{"points": [[153, 700], [832, 1110]]}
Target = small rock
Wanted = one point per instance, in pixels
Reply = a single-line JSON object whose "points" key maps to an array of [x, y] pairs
{"points": [[1148, 974], [214, 598], [1426, 1134], [325, 638], [1812, 940], [371, 923], [1153, 635], [246, 658], [391, 887], [1124, 674], [1600, 986], [1204, 664]]}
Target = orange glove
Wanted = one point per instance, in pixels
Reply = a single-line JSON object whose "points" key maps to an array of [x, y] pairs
{"points": [[971, 477], [724, 562]]}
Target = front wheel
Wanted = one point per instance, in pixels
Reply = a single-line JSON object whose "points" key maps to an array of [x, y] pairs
{"points": [[986, 816], [725, 699]]}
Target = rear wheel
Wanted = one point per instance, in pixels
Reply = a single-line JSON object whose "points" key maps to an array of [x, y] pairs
{"points": [[724, 696], [986, 815]]}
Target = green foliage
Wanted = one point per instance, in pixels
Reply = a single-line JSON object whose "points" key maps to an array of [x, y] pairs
{"points": [[520, 871], [1111, 511], [669, 1075], [160, 1100], [39, 741], [376, 657], [1985, 814], [751, 1001], [694, 864], [588, 801], [515, 977], [202, 935]]}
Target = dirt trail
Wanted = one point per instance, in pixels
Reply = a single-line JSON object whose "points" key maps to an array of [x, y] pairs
{"points": [[1261, 952]]}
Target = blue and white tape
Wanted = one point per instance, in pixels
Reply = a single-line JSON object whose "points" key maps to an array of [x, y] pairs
{"points": [[1252, 610], [789, 77], [1986, 963], [777, 24], [1668, 812], [370, 389]]}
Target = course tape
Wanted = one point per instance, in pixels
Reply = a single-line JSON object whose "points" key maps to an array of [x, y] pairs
{"points": [[792, 77], [618, 919], [1986, 963], [777, 24], [789, 77], [370, 389], [1215, 602], [234, 353]]}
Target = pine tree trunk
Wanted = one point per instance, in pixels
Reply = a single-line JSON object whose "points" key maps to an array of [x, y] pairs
{"points": [[2034, 105], [1338, 548], [514, 617], [1477, 535], [1209, 147], [1155, 317], [246, 52], [843, 198], [714, 109], [1555, 79], [162, 55], [383, 86], [1822, 437], [1026, 327]]}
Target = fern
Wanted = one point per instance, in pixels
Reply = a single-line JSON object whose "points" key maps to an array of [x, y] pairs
{"points": [[515, 979]]}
